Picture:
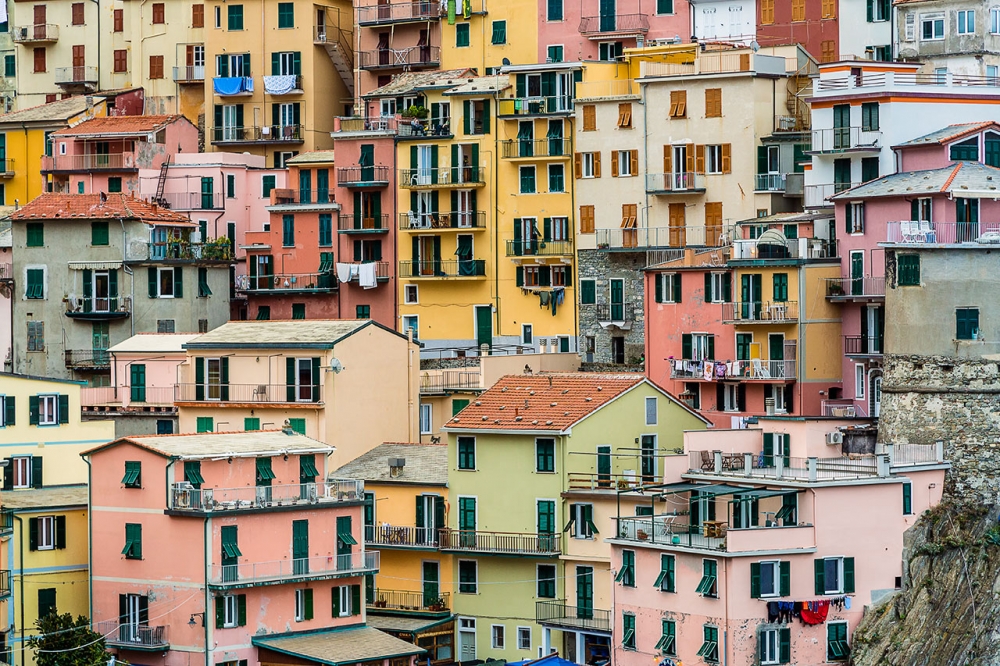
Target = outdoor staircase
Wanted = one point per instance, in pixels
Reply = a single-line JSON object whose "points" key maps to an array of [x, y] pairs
{"points": [[338, 43], [161, 184]]}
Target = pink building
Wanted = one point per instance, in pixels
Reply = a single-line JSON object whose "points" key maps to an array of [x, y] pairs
{"points": [[396, 37], [238, 597], [756, 523], [6, 310], [105, 154]]}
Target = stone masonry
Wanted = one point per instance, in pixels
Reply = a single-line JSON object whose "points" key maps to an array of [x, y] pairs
{"points": [[601, 266]]}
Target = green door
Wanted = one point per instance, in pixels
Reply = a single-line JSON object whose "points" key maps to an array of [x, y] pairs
{"points": [[137, 376], [585, 592], [750, 288], [546, 525], [467, 520], [484, 325], [992, 155], [207, 194], [345, 542], [841, 175], [841, 126], [776, 347], [607, 9], [604, 466], [100, 342], [857, 273], [431, 584], [300, 547], [230, 553], [648, 453], [617, 300], [525, 139], [967, 216], [367, 162]]}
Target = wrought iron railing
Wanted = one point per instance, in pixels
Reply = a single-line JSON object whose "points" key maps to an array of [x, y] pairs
{"points": [[184, 497], [219, 392], [357, 563], [499, 542], [132, 635], [561, 614]]}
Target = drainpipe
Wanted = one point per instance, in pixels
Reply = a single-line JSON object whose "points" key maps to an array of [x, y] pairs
{"points": [[496, 208], [409, 383], [128, 271], [204, 616], [20, 547], [98, 3], [90, 544]]}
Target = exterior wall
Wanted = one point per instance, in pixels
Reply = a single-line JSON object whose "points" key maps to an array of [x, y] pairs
{"points": [[6, 307], [955, 52], [858, 33], [404, 40], [522, 45], [602, 267], [810, 33], [732, 21]]}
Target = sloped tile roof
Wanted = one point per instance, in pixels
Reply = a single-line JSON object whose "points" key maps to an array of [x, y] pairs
{"points": [[950, 133], [968, 177], [62, 110], [215, 444], [411, 81], [59, 206], [119, 125], [347, 645], [312, 157], [426, 464]]}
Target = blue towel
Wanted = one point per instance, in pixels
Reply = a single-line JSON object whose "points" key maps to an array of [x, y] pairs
{"points": [[232, 85]]}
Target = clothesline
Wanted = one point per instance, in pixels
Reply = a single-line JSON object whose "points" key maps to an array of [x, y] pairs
{"points": [[807, 612]]}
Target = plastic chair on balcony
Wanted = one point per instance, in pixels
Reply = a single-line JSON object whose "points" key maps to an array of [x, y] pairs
{"points": [[707, 461], [758, 370], [260, 392]]}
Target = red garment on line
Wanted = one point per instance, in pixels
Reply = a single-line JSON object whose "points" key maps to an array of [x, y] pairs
{"points": [[814, 617]]}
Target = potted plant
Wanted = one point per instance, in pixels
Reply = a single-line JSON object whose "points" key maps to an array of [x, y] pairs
{"points": [[641, 535], [436, 605], [416, 111]]}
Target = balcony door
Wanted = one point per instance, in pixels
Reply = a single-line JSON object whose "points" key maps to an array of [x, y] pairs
{"points": [[617, 296], [300, 547], [584, 592], [425, 173], [100, 291], [776, 352], [230, 122], [464, 209], [750, 295], [429, 518], [39, 14], [857, 273], [841, 126], [133, 610], [100, 340], [467, 520], [607, 11], [679, 162], [872, 329], [546, 525], [431, 577], [967, 217], [604, 466], [647, 451], [484, 325]]}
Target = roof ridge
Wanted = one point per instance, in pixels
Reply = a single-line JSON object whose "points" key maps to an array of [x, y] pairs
{"points": [[951, 178]]}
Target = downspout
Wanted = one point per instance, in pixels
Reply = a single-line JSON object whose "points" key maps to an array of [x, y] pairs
{"points": [[204, 615], [496, 207], [572, 209], [90, 541], [128, 271], [409, 383], [20, 548], [98, 3]]}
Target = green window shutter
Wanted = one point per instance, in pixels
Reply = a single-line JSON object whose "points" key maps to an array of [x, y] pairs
{"points": [[308, 599], [298, 425], [289, 379], [10, 412], [241, 610], [819, 571], [664, 6], [63, 416], [784, 645], [754, 573], [677, 288], [870, 10], [99, 233], [588, 292], [355, 600], [220, 612], [768, 449], [205, 424], [486, 116], [848, 575], [178, 282], [32, 410], [784, 578], [224, 378], [686, 346], [151, 281], [907, 499], [251, 423], [335, 605], [32, 533], [199, 378]]}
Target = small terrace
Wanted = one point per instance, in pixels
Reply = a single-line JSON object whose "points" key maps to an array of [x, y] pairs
{"points": [[189, 74], [612, 89], [357, 177], [410, 58], [547, 105], [774, 247], [612, 313], [539, 248], [400, 536], [499, 543], [288, 283], [859, 288], [470, 220], [439, 177], [357, 224], [588, 482], [845, 140], [460, 268], [751, 370], [942, 233], [769, 182], [839, 407], [601, 27], [99, 309], [405, 601], [133, 397], [560, 615], [278, 572], [675, 183], [787, 468], [433, 382], [82, 76], [39, 33], [257, 134], [720, 63], [87, 359], [183, 251], [124, 161], [216, 393], [319, 199], [905, 83], [389, 13], [643, 238], [719, 536], [760, 312], [536, 149], [381, 271], [871, 346], [186, 498], [133, 636]]}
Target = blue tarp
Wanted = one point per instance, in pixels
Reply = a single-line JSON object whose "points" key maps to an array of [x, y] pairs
{"points": [[232, 85]]}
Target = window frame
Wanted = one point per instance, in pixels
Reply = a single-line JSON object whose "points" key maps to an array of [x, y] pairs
{"points": [[973, 333], [521, 632], [775, 566], [17, 462], [459, 455], [539, 581], [963, 24], [498, 637], [550, 458], [474, 583], [230, 611], [933, 19], [46, 533], [48, 406], [429, 409], [655, 411]]}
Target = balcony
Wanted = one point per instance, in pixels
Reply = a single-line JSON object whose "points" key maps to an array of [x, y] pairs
{"points": [[535, 149], [613, 89], [185, 498], [769, 182], [460, 268], [350, 224], [99, 309], [286, 197], [558, 614], [399, 12], [661, 531], [183, 251], [614, 25], [192, 201], [471, 220], [588, 481], [539, 248], [381, 270], [644, 238], [233, 86], [6, 168], [210, 393], [758, 369], [675, 183], [849, 289], [845, 140], [796, 123], [839, 408], [399, 536], [6, 522], [104, 162], [133, 636], [552, 105], [87, 359], [39, 33], [435, 382], [857, 346], [612, 313], [189, 74], [818, 196], [6, 273], [787, 468], [263, 134], [82, 76], [278, 572], [5, 583], [771, 248], [404, 601], [499, 543], [410, 58], [425, 178], [942, 233], [278, 85], [128, 396], [363, 176], [760, 312]]}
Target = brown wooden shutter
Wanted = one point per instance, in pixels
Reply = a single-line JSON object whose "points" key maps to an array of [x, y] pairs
{"points": [[699, 158], [614, 163], [668, 154], [39, 55], [77, 13], [726, 161], [689, 156], [79, 55], [197, 16], [589, 118], [713, 222], [586, 219], [597, 164], [633, 159], [119, 20], [578, 164]]}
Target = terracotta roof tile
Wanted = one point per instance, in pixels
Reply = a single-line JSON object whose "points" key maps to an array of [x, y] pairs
{"points": [[542, 402], [119, 125], [951, 132], [61, 110], [58, 206]]}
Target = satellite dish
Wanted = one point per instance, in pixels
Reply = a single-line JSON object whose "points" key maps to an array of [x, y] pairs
{"points": [[506, 62], [754, 46]]}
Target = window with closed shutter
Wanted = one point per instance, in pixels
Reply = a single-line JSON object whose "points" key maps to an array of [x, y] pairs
{"points": [[798, 10], [713, 102], [119, 20], [767, 12], [156, 67], [678, 104], [589, 118], [197, 16], [158, 13], [121, 60], [586, 219]]}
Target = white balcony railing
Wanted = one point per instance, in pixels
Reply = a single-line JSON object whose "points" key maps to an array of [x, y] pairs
{"points": [[942, 233], [184, 497], [357, 563]]}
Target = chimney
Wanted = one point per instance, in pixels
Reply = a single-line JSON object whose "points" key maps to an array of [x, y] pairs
{"points": [[396, 466], [286, 428], [688, 256]]}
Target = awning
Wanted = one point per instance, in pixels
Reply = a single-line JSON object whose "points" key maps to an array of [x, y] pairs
{"points": [[94, 265], [761, 493], [308, 467], [347, 645]]}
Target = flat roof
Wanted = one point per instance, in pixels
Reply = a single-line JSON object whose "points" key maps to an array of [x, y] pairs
{"points": [[339, 646], [47, 497], [291, 333], [154, 343], [222, 444], [425, 464], [410, 624]]}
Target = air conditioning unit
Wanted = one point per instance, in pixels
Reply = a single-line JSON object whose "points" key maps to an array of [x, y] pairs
{"points": [[182, 494], [833, 438], [769, 406]]}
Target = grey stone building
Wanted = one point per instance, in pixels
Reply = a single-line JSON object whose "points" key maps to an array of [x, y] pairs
{"points": [[612, 325], [91, 270], [951, 37]]}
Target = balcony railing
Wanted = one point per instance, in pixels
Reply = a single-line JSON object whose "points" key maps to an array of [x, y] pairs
{"points": [[5, 583], [843, 139], [76, 75], [674, 183], [559, 614], [643, 238], [217, 250], [407, 58], [255, 134], [373, 224], [132, 636], [88, 358], [499, 543], [535, 106], [112, 162], [410, 602], [613, 312], [94, 396], [597, 481], [863, 345], [791, 248], [6, 272], [942, 233], [286, 196], [757, 465], [758, 368], [760, 312], [357, 563], [471, 219], [770, 182], [248, 393], [398, 12], [468, 176], [189, 74], [863, 287], [39, 32], [183, 497], [515, 148], [606, 89], [909, 80], [381, 124], [659, 530], [790, 123], [191, 200], [819, 195], [841, 408], [401, 535], [89, 307], [442, 269], [614, 23], [438, 381], [539, 248], [6, 521], [363, 176], [381, 269], [914, 454]]}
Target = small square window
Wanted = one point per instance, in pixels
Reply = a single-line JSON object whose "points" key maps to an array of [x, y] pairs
{"points": [[410, 294], [497, 636], [133, 473], [462, 33], [468, 577], [967, 323]]}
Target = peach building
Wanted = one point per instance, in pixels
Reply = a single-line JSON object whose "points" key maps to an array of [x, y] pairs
{"points": [[294, 597], [768, 543]]}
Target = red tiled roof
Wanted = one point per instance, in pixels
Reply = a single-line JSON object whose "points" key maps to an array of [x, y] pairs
{"points": [[542, 402], [118, 125], [57, 206]]}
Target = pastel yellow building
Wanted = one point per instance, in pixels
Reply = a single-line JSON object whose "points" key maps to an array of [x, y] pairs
{"points": [[406, 503]]}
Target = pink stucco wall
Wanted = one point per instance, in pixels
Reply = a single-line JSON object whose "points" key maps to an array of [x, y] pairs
{"points": [[161, 375]]}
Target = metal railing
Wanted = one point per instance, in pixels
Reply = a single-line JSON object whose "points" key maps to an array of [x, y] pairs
{"points": [[791, 248], [5, 588], [612, 311], [863, 345], [383, 124], [440, 269], [183, 497], [285, 196], [6, 272], [537, 247], [837, 139], [717, 63], [863, 286], [112, 161], [191, 200], [400, 535], [87, 358], [942, 233], [429, 177], [599, 481], [405, 600], [819, 195], [189, 73], [790, 124], [533, 106], [132, 635], [363, 175], [674, 183], [93, 396], [357, 563], [263, 133], [630, 23], [509, 543], [217, 250], [659, 529], [413, 56], [842, 408], [471, 219], [654, 237], [770, 182], [757, 368], [580, 617], [38, 32], [914, 454], [757, 465], [373, 223], [76, 75], [398, 12], [606, 89], [761, 312], [904, 79], [91, 307], [6, 521], [513, 148], [287, 283], [437, 381], [210, 392]]}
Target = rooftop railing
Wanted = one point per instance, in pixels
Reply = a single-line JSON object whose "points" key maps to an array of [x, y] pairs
{"points": [[91, 162], [246, 393], [606, 89], [559, 613], [357, 563], [914, 454], [943, 233], [791, 248], [642, 238], [438, 381], [812, 469], [906, 80], [184, 497]]}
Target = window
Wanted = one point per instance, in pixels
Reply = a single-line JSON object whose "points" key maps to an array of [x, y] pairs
{"points": [[713, 159], [36, 336], [467, 453], [628, 631], [499, 32], [233, 611], [967, 323], [588, 165], [35, 234], [204, 291], [462, 35], [35, 288], [411, 323], [524, 638], [869, 117], [468, 576], [678, 104], [965, 150], [133, 473], [218, 17], [497, 636], [769, 579], [425, 419], [288, 230], [709, 650], [767, 12], [828, 9], [526, 337], [907, 499], [624, 163], [869, 169], [230, 186], [251, 423], [554, 53], [47, 412], [774, 645], [626, 574], [114, 184], [197, 16], [410, 294], [666, 580], [855, 217], [303, 605], [9, 66], [266, 185], [668, 288], [859, 381], [554, 10], [625, 115], [780, 287], [165, 283], [234, 17], [609, 51], [713, 102], [158, 13], [834, 575], [966, 21], [708, 586], [546, 585], [664, 6], [39, 62], [718, 288], [527, 179], [164, 325], [908, 270], [133, 541], [286, 14], [46, 601], [589, 118], [118, 21], [557, 178], [588, 292], [837, 648], [362, 312], [205, 424], [931, 26], [78, 13], [581, 521], [45, 533], [651, 410], [545, 455]]}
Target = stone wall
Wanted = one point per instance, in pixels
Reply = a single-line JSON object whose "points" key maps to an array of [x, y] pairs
{"points": [[601, 266]]}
